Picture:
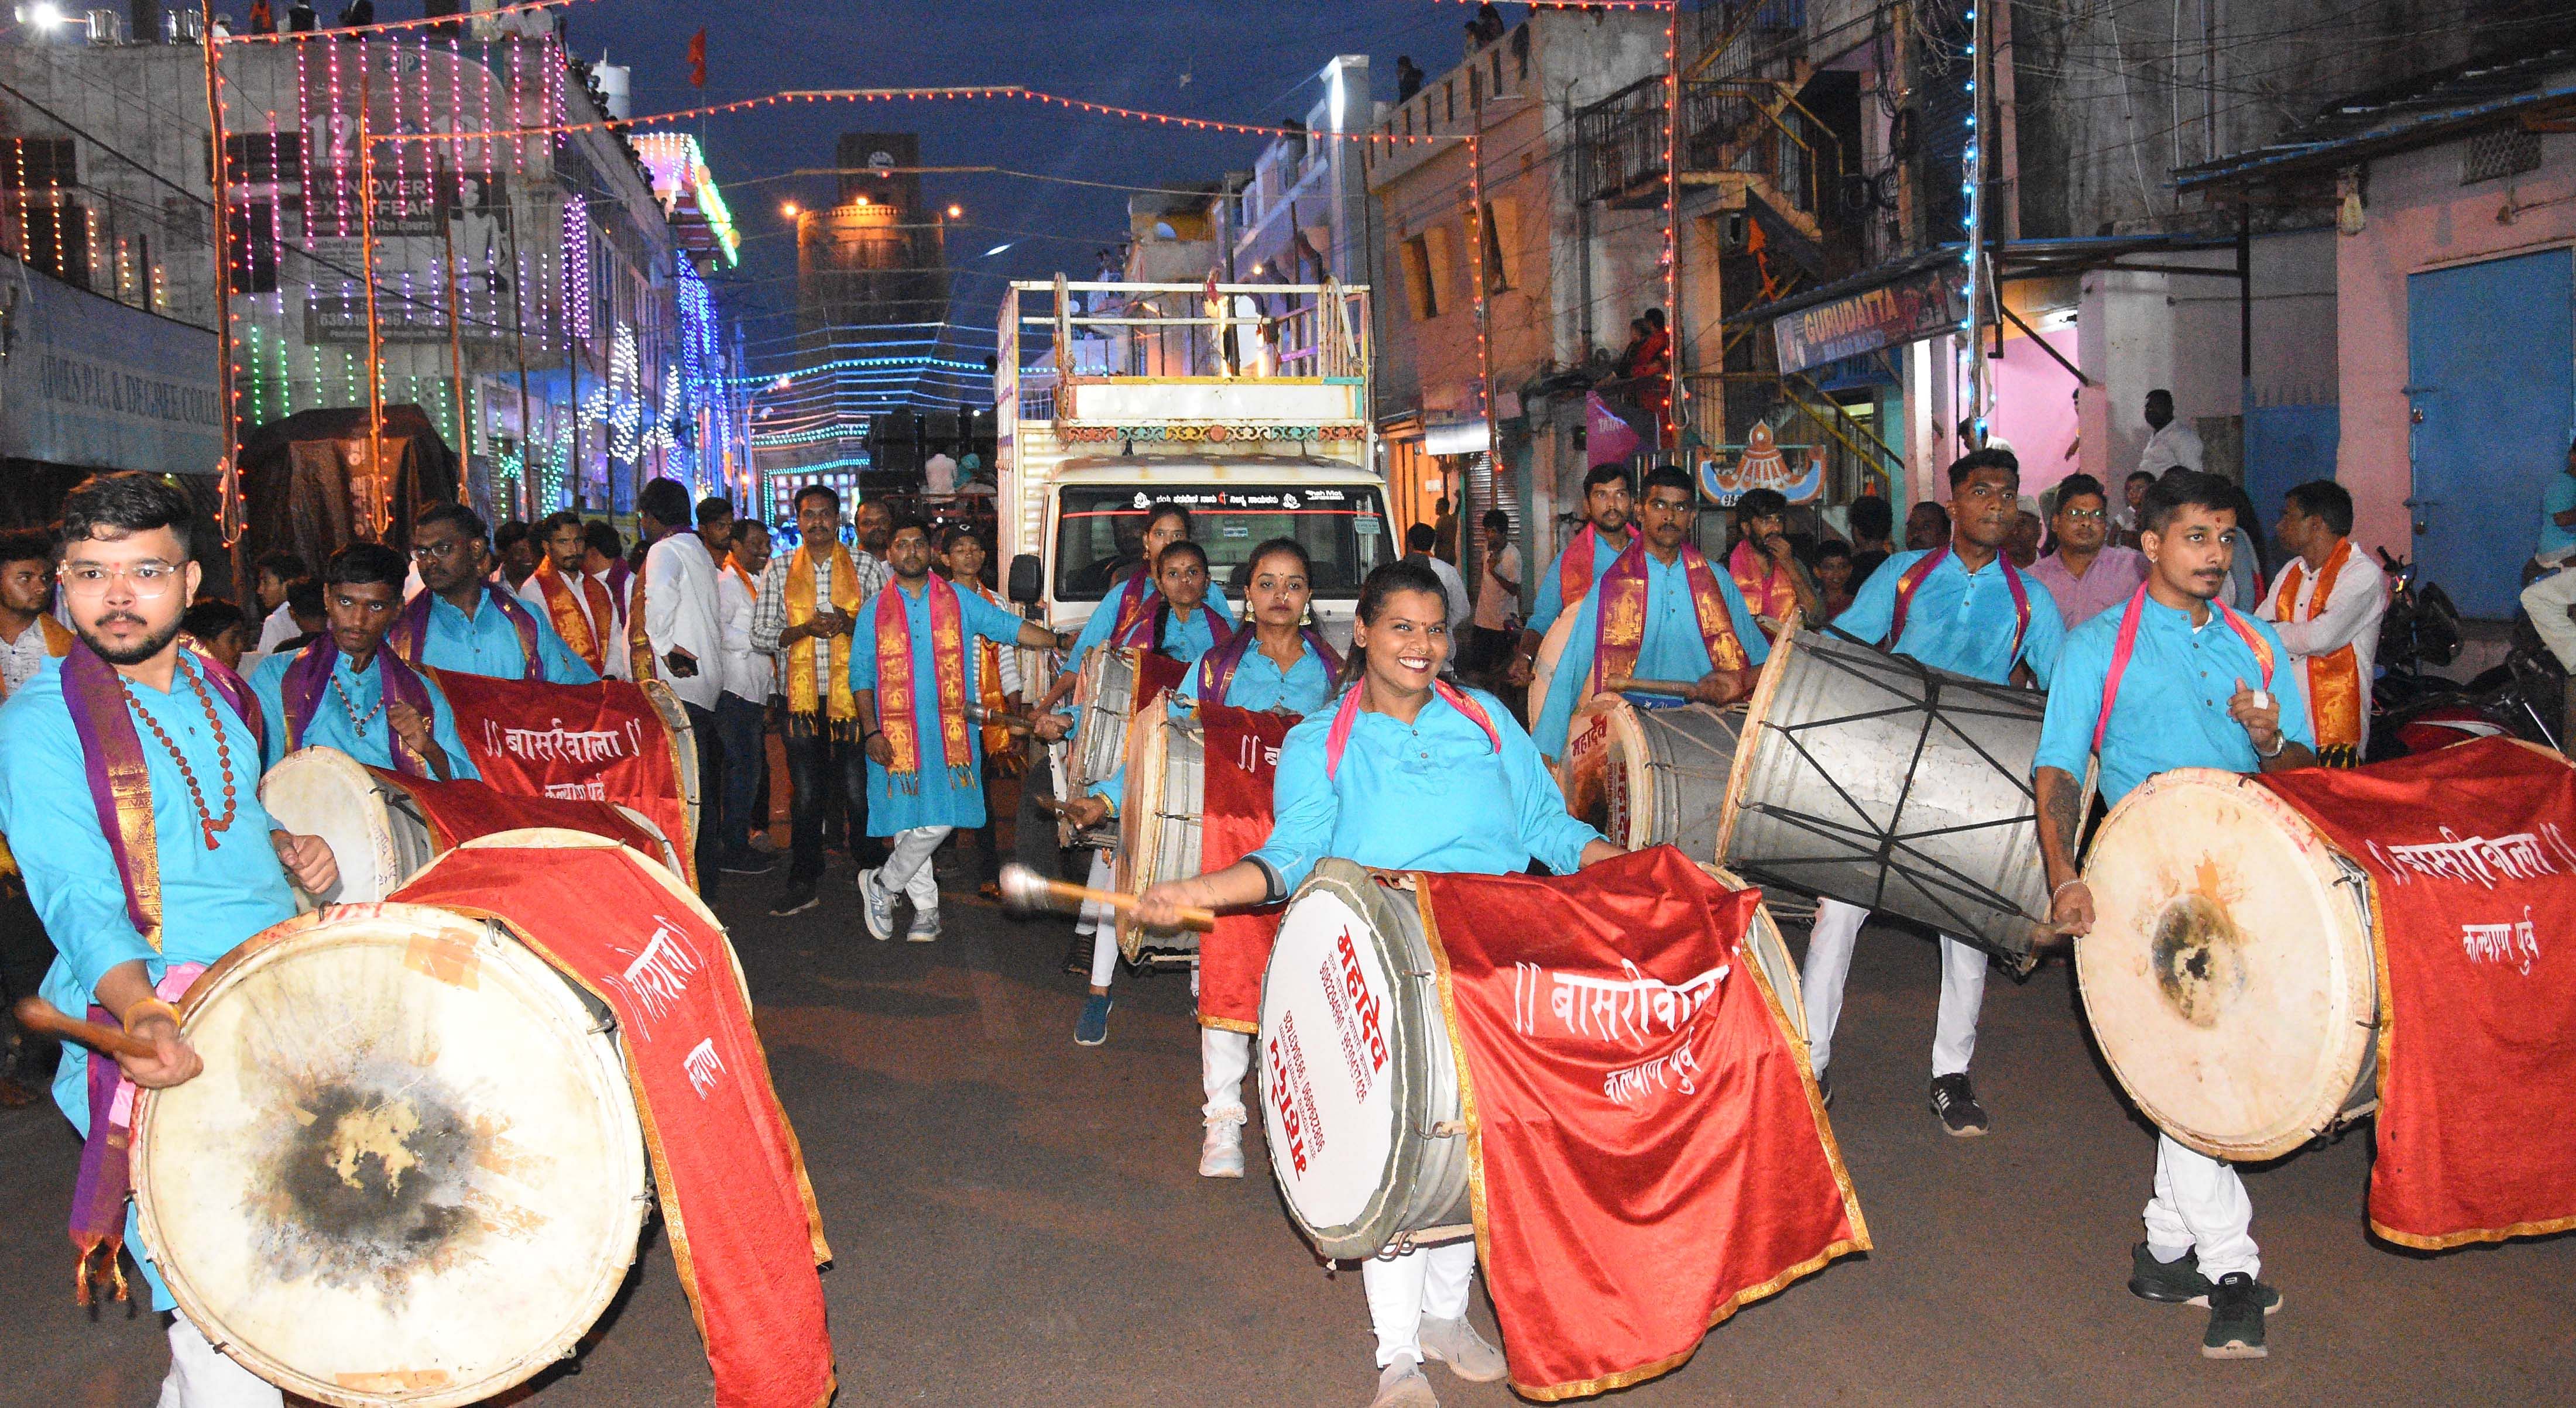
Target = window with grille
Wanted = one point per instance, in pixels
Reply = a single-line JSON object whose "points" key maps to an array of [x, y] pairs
{"points": [[2492, 156]]}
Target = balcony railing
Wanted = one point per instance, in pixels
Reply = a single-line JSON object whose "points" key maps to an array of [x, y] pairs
{"points": [[1751, 127]]}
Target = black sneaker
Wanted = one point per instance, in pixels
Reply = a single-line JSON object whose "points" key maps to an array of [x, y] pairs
{"points": [[797, 900], [1824, 1088], [1955, 1101], [745, 863], [2176, 1282], [2236, 1312]]}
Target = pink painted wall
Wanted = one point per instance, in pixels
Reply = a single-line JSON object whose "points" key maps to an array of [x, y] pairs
{"points": [[2035, 408], [2417, 217]]}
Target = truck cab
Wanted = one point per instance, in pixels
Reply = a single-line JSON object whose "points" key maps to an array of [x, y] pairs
{"points": [[1246, 404]]}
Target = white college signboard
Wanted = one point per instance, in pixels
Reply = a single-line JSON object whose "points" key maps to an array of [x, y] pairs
{"points": [[87, 382]]}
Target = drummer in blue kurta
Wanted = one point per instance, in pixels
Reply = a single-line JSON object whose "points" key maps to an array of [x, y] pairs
{"points": [[1692, 627], [343, 691], [459, 621], [1406, 772], [1963, 608], [1246, 672], [137, 725], [910, 654], [1579, 564]]}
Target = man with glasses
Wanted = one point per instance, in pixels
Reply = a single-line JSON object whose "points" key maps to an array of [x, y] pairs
{"points": [[2086, 576], [342, 691], [460, 621], [129, 784]]}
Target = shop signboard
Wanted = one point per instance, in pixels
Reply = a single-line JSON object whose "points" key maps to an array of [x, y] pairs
{"points": [[1892, 315], [92, 384]]}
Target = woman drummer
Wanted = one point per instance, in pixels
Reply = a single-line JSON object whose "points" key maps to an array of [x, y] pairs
{"points": [[1406, 772], [1180, 624], [1274, 663]]}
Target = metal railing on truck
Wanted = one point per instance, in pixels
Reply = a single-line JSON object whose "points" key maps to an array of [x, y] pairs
{"points": [[1175, 330]]}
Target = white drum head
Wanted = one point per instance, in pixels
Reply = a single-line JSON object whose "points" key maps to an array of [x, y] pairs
{"points": [[412, 1172], [2229, 977], [325, 792], [1327, 1073]]}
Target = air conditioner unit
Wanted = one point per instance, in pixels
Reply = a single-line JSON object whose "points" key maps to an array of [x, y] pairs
{"points": [[105, 26]]}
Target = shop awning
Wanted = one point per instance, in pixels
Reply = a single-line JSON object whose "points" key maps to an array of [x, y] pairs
{"points": [[2423, 111]]}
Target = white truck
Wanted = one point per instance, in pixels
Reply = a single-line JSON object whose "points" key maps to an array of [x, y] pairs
{"points": [[1247, 404]]}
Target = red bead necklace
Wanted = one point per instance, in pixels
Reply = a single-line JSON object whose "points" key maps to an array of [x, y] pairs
{"points": [[207, 822]]}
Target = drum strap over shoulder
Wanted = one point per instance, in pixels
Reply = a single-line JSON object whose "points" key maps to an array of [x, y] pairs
{"points": [[2127, 645], [1912, 581]]}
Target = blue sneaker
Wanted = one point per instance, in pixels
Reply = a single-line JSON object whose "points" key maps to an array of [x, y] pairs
{"points": [[876, 906], [1093, 1028]]}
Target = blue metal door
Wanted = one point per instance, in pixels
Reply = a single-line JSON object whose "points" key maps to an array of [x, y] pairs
{"points": [[2491, 376]]}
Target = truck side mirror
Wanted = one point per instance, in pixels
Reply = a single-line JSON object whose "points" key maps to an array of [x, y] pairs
{"points": [[1028, 579]]}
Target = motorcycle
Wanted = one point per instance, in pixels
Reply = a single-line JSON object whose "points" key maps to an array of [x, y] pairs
{"points": [[2414, 710]]}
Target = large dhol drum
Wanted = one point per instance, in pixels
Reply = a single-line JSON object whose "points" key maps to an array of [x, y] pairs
{"points": [[1103, 697], [1159, 828], [2230, 977], [1876, 780], [375, 828], [412, 1172], [1551, 648], [684, 760], [1664, 775], [1359, 1083]]}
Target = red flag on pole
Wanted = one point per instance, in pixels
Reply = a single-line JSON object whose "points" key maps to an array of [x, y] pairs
{"points": [[698, 59]]}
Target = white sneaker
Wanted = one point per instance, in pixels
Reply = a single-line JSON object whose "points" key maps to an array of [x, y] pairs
{"points": [[925, 928], [1221, 1156], [1401, 1385], [876, 906], [1456, 1344]]}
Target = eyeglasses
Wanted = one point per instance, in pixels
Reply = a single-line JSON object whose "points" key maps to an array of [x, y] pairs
{"points": [[441, 550], [2084, 515], [144, 579]]}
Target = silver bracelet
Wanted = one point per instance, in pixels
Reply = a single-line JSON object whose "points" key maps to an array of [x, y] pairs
{"points": [[2280, 745], [2062, 889]]}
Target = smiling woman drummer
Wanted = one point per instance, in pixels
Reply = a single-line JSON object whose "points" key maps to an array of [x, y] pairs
{"points": [[1407, 772]]}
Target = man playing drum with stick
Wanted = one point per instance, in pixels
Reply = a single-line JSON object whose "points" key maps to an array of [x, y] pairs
{"points": [[343, 692], [1408, 772], [2174, 680], [1966, 609], [1671, 615], [128, 780]]}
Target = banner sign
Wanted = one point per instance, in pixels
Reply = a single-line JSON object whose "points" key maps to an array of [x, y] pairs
{"points": [[1923, 306], [87, 382], [600, 742]]}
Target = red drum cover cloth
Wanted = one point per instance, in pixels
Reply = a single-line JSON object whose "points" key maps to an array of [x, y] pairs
{"points": [[461, 810], [597, 742], [1155, 674], [2471, 852], [1240, 764], [743, 1225], [1649, 1152]]}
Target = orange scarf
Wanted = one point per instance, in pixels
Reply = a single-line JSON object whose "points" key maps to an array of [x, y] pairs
{"points": [[1620, 626], [988, 690], [639, 642], [1768, 588], [897, 689], [1574, 575], [2335, 695], [811, 677], [577, 618]]}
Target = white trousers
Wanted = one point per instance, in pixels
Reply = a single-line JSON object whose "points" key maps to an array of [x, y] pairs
{"points": [[2200, 1205], [907, 868], [1100, 921], [1829, 955], [2547, 600], [201, 1377], [1425, 1281], [1225, 1058]]}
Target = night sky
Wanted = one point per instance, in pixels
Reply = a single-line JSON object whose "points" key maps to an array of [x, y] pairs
{"points": [[1246, 60]]}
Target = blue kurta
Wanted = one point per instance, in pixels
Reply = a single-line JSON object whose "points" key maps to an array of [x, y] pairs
{"points": [[489, 645], [1095, 632], [1550, 601], [2172, 709], [935, 801], [1960, 621], [1429, 795], [1258, 684], [330, 728], [1672, 650], [210, 900]]}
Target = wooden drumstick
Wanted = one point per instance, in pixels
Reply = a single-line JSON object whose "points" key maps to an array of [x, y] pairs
{"points": [[1622, 684], [1003, 719], [37, 1015], [1024, 890]]}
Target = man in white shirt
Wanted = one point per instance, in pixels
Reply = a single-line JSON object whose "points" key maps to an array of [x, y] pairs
{"points": [[1418, 540], [1498, 594], [277, 571], [28, 636], [677, 595], [2170, 443], [742, 710], [2327, 610]]}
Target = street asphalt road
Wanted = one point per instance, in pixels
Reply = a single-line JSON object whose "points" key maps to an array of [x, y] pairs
{"points": [[1019, 1221]]}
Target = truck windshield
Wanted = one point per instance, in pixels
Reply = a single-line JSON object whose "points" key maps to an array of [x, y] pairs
{"points": [[1100, 531]]}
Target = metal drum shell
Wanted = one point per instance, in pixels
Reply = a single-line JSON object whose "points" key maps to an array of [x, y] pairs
{"points": [[1810, 814], [239, 1314], [1424, 1184], [2231, 978], [1665, 775], [1104, 696], [377, 837], [1159, 827]]}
